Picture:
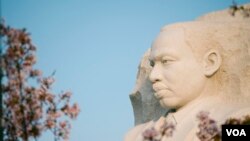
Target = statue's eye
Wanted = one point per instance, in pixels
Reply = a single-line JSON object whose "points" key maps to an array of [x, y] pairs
{"points": [[164, 61], [152, 63]]}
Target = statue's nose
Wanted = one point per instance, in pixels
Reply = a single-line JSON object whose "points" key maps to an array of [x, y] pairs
{"points": [[155, 74]]}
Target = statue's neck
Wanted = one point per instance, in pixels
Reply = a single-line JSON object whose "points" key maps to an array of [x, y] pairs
{"points": [[218, 107], [215, 100]]}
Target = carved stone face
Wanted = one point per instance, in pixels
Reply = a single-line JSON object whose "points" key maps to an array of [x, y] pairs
{"points": [[177, 76]]}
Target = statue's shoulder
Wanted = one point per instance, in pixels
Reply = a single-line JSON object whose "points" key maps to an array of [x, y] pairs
{"points": [[134, 133]]}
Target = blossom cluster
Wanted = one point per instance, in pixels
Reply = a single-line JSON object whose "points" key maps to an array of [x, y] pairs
{"points": [[29, 105], [208, 128], [245, 120], [166, 130], [243, 10]]}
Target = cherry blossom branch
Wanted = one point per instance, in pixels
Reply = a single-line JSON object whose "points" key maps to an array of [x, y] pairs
{"points": [[29, 109]]}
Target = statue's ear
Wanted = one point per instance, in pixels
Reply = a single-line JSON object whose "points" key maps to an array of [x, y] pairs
{"points": [[212, 62]]}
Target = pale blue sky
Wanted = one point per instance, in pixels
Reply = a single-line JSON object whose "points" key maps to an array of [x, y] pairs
{"points": [[95, 47]]}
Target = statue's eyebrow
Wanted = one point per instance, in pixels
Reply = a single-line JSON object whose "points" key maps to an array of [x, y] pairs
{"points": [[159, 56], [154, 58]]}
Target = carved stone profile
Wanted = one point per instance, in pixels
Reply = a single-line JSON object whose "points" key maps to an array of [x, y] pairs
{"points": [[145, 105], [197, 66]]}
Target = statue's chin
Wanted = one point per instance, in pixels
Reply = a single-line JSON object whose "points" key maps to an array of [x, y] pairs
{"points": [[169, 104]]}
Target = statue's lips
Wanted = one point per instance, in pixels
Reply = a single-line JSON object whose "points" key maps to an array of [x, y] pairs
{"points": [[160, 90], [159, 86], [160, 94]]}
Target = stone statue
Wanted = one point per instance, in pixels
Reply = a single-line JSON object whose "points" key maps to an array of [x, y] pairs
{"points": [[146, 107], [199, 66]]}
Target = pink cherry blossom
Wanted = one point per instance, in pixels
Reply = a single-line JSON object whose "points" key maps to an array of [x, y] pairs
{"points": [[30, 109]]}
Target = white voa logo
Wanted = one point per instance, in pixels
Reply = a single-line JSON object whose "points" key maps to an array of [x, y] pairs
{"points": [[236, 132]]}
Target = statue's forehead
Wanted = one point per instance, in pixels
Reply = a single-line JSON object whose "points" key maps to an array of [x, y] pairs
{"points": [[169, 34], [168, 43], [168, 38]]}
